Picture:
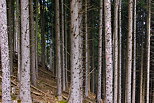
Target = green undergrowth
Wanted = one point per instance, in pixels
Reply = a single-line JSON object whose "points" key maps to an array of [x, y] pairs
{"points": [[63, 101]]}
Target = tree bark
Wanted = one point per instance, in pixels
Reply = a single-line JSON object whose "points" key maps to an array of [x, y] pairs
{"points": [[99, 90], [148, 49], [141, 73], [18, 31], [81, 46], [108, 52], [63, 49], [32, 46], [120, 55], [75, 54], [25, 93], [36, 38], [129, 52], [10, 31], [66, 47], [115, 36], [86, 51], [58, 55], [42, 33], [134, 57], [5, 60]]}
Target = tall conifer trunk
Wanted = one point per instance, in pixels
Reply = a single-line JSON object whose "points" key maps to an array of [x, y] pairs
{"points": [[5, 60], [108, 52], [25, 91]]}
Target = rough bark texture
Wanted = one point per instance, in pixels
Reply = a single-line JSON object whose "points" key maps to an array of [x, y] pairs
{"points": [[75, 54], [66, 47], [86, 51], [58, 55], [5, 61], [25, 94], [115, 36], [108, 52], [148, 50], [99, 88], [18, 31], [32, 46], [63, 50], [120, 55], [129, 52], [134, 57], [81, 46]]}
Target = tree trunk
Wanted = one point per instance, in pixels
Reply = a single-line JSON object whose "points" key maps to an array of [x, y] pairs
{"points": [[51, 49], [129, 52], [81, 46], [18, 31], [42, 33], [141, 73], [4, 47], [75, 54], [36, 38], [10, 31], [99, 90], [86, 51], [25, 93], [134, 57], [148, 49], [108, 52], [66, 49], [63, 49], [58, 55], [93, 61], [32, 45], [120, 55], [115, 36]]}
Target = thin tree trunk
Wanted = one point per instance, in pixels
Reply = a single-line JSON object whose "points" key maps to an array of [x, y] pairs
{"points": [[81, 46], [75, 54], [32, 45], [108, 52], [36, 39], [18, 31], [42, 33], [120, 55], [141, 73], [51, 49], [93, 64], [115, 35], [129, 52], [58, 55], [25, 93], [87, 51], [99, 90], [148, 50], [144, 87], [66, 52], [4, 47], [10, 32], [134, 57], [63, 50]]}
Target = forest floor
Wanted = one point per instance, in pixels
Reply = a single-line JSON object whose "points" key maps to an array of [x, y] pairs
{"points": [[45, 91]]}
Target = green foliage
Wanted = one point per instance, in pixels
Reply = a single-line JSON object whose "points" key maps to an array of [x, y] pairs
{"points": [[63, 101]]}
